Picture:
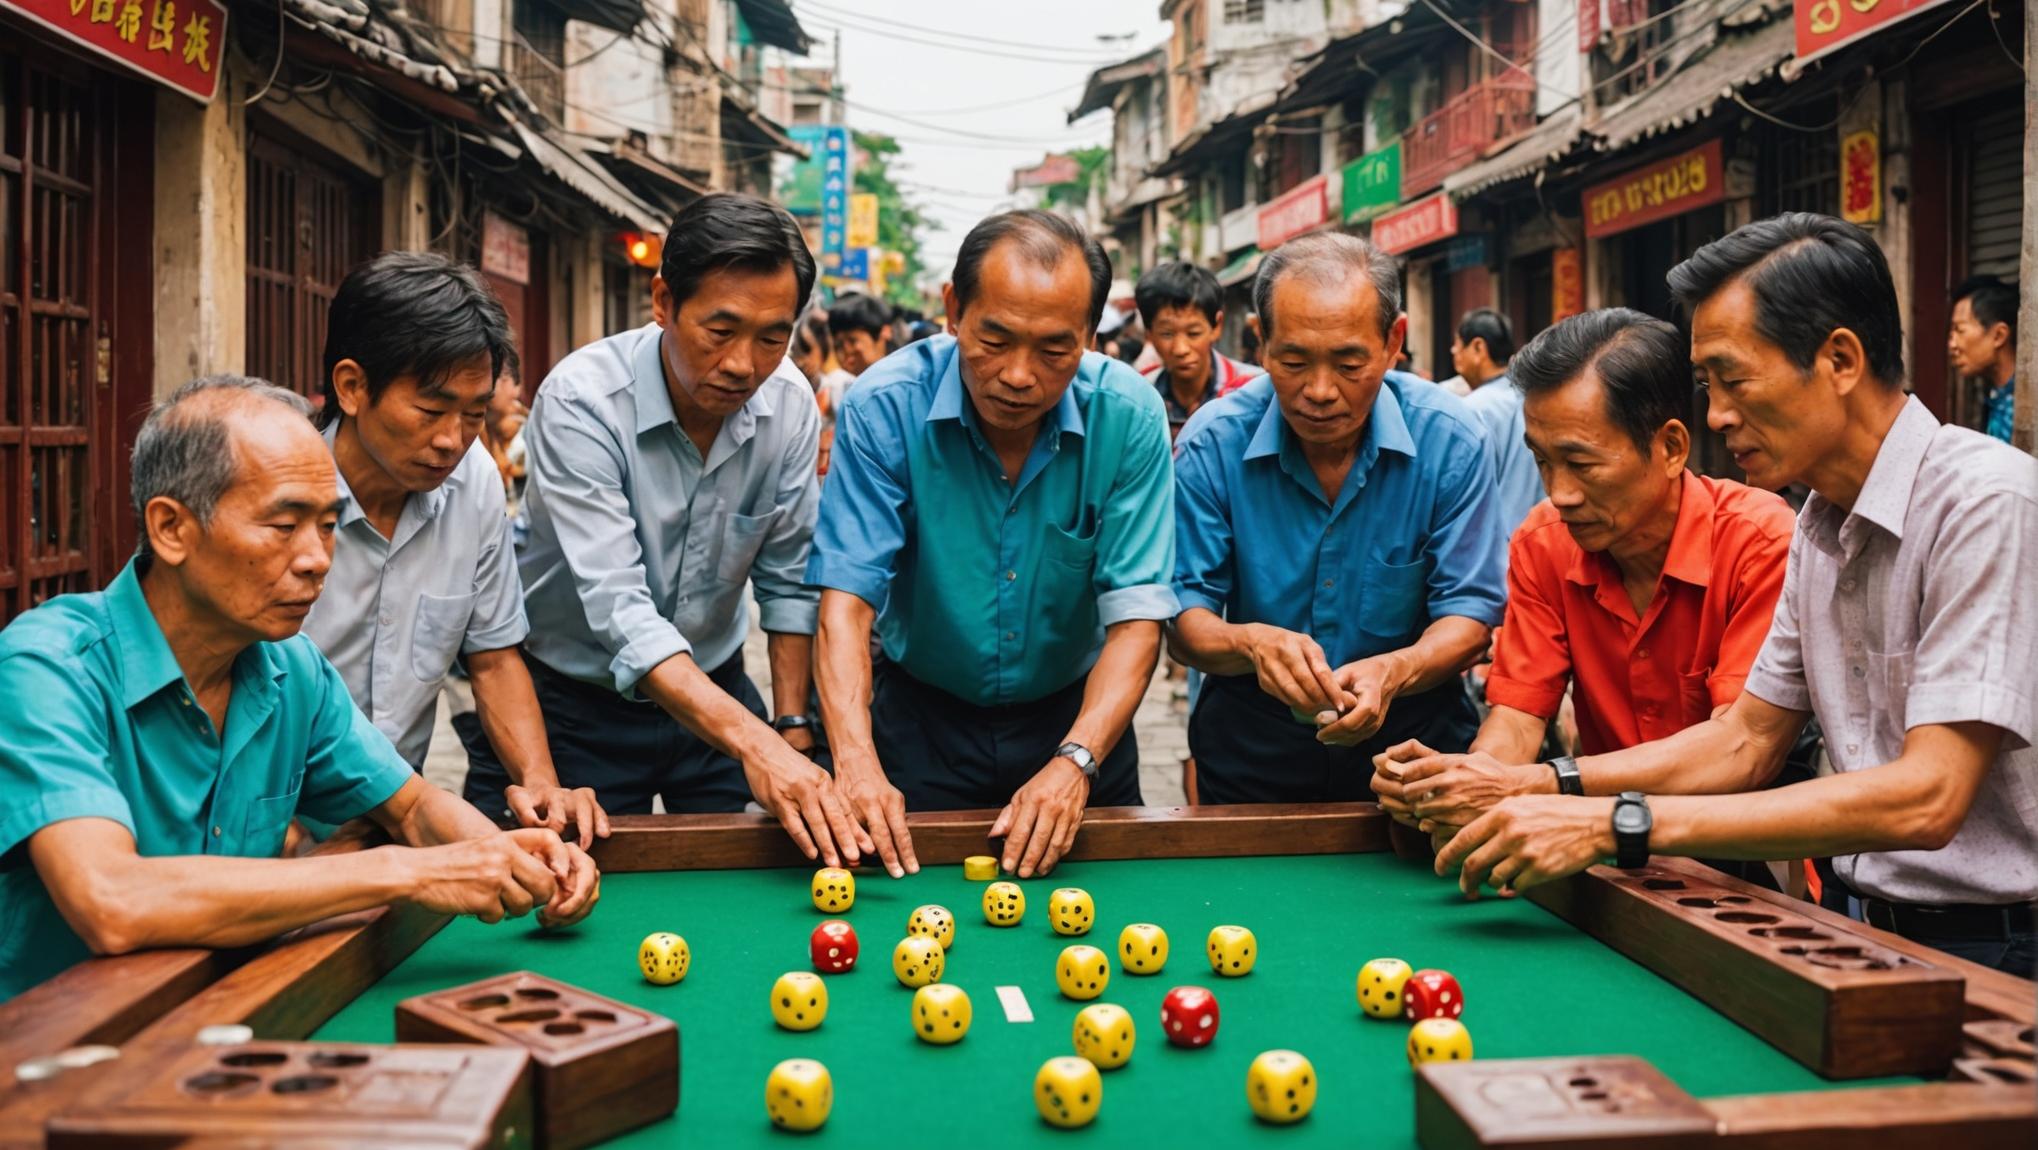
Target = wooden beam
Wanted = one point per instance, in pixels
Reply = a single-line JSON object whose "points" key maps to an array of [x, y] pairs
{"points": [[1928, 1116]]}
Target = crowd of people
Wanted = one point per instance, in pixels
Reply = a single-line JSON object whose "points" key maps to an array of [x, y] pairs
{"points": [[968, 543]]}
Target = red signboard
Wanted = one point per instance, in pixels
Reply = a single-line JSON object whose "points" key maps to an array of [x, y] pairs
{"points": [[1659, 191], [176, 43], [1567, 283], [1422, 222], [505, 249], [1300, 208], [1823, 25], [1861, 178]]}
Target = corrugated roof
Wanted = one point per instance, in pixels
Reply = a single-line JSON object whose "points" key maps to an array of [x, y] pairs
{"points": [[1735, 61], [581, 172]]}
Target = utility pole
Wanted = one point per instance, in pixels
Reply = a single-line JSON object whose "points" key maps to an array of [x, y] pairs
{"points": [[2024, 430]]}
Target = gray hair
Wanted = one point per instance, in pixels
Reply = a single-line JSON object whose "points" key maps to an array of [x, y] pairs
{"points": [[185, 451], [1329, 258]]}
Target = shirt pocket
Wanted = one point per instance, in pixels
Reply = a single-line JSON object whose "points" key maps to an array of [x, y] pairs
{"points": [[1392, 601], [435, 637], [1075, 552], [1889, 685], [267, 823], [742, 539]]}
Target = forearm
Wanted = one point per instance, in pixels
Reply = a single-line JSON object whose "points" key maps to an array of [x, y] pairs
{"points": [[792, 671], [1200, 638], [1446, 647], [1718, 756], [435, 817], [1511, 736], [218, 902], [693, 700], [506, 702], [1116, 685], [843, 675]]}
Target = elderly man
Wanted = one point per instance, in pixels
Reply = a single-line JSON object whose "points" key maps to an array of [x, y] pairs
{"points": [[423, 572], [161, 733], [670, 466], [1901, 625], [999, 506], [1643, 588], [1338, 544]]}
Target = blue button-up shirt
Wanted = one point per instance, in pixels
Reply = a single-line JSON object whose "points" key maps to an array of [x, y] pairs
{"points": [[1498, 405], [99, 723], [995, 592], [1413, 536], [640, 548]]}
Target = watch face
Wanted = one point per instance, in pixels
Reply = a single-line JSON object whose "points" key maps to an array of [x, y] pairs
{"points": [[1630, 818]]}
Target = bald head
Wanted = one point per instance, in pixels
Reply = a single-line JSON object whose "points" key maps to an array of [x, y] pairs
{"points": [[192, 447]]}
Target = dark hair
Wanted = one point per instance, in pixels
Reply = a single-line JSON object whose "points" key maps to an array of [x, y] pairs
{"points": [[1643, 365], [1489, 325], [813, 332], [1992, 300], [1328, 257], [859, 312], [726, 230], [1130, 347], [1811, 274], [185, 450], [1177, 284], [411, 313], [512, 366], [1044, 238], [924, 329]]}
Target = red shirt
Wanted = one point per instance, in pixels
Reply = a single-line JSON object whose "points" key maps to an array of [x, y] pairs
{"points": [[1637, 680]]}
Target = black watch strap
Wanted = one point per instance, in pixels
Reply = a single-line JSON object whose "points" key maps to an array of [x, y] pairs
{"points": [[1568, 781], [785, 723], [1632, 823]]}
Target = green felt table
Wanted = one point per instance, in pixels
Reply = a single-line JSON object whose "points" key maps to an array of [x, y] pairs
{"points": [[1534, 986]]}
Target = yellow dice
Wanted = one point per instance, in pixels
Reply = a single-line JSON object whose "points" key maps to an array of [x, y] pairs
{"points": [[1004, 904], [918, 960], [663, 957], [1082, 972], [1104, 1034], [834, 890], [1068, 1091], [1143, 948], [1381, 983], [1280, 1086], [933, 922], [1439, 1040], [980, 868], [1070, 911], [941, 1014], [799, 1094], [799, 1000], [1232, 950]]}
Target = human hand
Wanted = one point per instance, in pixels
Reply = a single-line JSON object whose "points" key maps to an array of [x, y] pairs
{"points": [[497, 876], [1039, 825], [1291, 667], [544, 803], [1370, 685], [1452, 790], [806, 802], [1528, 840], [879, 806]]}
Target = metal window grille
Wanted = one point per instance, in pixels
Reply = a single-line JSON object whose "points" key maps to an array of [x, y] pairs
{"points": [[307, 225]]}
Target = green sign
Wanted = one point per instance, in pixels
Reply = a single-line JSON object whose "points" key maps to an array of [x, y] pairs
{"points": [[1373, 184]]}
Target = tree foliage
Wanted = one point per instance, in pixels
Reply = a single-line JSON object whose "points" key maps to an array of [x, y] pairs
{"points": [[899, 222]]}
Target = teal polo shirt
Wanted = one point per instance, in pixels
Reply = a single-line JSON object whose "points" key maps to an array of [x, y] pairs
{"points": [[996, 592], [100, 723]]}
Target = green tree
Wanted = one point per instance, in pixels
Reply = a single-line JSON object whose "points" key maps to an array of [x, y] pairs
{"points": [[899, 222], [1091, 165]]}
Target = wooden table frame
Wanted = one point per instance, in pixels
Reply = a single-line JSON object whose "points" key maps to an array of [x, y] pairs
{"points": [[146, 1002]]}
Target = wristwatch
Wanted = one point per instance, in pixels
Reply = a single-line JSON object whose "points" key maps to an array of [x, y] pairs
{"points": [[785, 723], [1631, 825], [1568, 782], [1079, 755]]}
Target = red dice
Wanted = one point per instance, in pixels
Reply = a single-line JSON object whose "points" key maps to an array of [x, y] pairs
{"points": [[833, 945], [1433, 994], [1189, 1016]]}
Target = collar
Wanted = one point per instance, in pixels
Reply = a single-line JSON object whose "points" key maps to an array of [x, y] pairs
{"points": [[1892, 480], [1163, 381], [951, 398], [1386, 427], [426, 504], [647, 381], [1689, 559], [147, 665]]}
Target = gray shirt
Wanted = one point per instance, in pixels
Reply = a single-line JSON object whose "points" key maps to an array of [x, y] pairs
{"points": [[639, 548], [1915, 609], [396, 612], [1498, 404]]}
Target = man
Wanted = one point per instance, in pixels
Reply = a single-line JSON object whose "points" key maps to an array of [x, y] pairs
{"points": [[1983, 341], [860, 326], [1480, 354], [1000, 508], [162, 733], [668, 466], [1645, 589], [1182, 306], [1339, 552], [1902, 625], [423, 571]]}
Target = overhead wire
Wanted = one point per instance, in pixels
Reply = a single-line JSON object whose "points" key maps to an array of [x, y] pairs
{"points": [[832, 12]]}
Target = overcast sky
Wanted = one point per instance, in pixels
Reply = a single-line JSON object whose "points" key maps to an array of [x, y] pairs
{"points": [[985, 85]]}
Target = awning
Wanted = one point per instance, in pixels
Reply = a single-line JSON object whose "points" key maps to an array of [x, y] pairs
{"points": [[1734, 61], [748, 120], [360, 30], [1241, 269], [581, 172], [772, 22], [650, 175], [1103, 84], [1543, 144], [615, 15], [1206, 142]]}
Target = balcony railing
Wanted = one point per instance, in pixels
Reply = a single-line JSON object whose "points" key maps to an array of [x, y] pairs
{"points": [[542, 79], [1472, 121]]}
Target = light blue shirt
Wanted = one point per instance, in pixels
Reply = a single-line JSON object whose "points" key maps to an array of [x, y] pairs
{"points": [[99, 723], [1413, 536], [1498, 405], [995, 592], [639, 547], [395, 613]]}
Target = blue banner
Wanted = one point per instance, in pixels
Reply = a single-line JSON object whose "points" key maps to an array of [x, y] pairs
{"points": [[834, 199]]}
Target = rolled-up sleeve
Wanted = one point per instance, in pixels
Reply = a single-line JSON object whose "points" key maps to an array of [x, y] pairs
{"points": [[350, 767], [580, 470], [53, 760], [1467, 545], [1136, 530], [1778, 674], [1977, 654], [1205, 558], [786, 603], [862, 523], [1758, 582], [1532, 652], [498, 620]]}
